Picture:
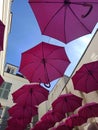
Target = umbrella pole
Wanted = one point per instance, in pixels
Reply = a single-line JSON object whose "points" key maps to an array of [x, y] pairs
{"points": [[68, 114]]}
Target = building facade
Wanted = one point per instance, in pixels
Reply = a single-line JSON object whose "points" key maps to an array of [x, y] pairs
{"points": [[12, 79], [5, 17]]}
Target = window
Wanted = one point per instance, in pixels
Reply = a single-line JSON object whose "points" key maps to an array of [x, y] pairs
{"points": [[10, 70], [1, 109], [4, 90]]}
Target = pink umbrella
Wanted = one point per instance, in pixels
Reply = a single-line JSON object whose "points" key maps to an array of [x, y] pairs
{"points": [[89, 110], [65, 20], [75, 120], [2, 28], [53, 116], [86, 78], [1, 80], [18, 111], [44, 63], [66, 103], [18, 123], [43, 125], [14, 128], [30, 95]]}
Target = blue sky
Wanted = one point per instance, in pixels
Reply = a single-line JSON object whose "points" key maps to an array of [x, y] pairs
{"points": [[25, 34]]}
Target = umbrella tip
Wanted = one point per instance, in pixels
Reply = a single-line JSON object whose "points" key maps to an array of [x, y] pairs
{"points": [[67, 2]]}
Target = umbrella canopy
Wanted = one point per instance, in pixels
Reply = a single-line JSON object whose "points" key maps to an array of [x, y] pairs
{"points": [[44, 63], [86, 78], [43, 125], [14, 128], [66, 103], [65, 20], [53, 116], [1, 80], [2, 28], [18, 111], [62, 126], [89, 110], [75, 120], [30, 95], [17, 123]]}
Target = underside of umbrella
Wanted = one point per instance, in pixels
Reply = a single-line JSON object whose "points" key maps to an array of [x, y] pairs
{"points": [[30, 94], [86, 78], [65, 20], [44, 63], [89, 110], [2, 28]]}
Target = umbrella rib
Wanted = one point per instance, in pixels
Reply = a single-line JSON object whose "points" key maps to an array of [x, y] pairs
{"points": [[83, 3], [41, 2], [55, 69], [79, 19], [91, 74], [82, 76], [35, 55], [35, 70], [65, 23], [31, 102], [58, 59], [52, 52], [53, 17]]}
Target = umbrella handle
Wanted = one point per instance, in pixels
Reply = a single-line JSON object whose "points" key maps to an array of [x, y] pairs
{"points": [[90, 9], [47, 85]]}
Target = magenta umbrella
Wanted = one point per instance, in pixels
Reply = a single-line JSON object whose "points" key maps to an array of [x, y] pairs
{"points": [[30, 95], [2, 28], [86, 78], [53, 116], [89, 110], [18, 111], [13, 128], [65, 20], [66, 103], [1, 80], [44, 63], [43, 125], [17, 123], [75, 120]]}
